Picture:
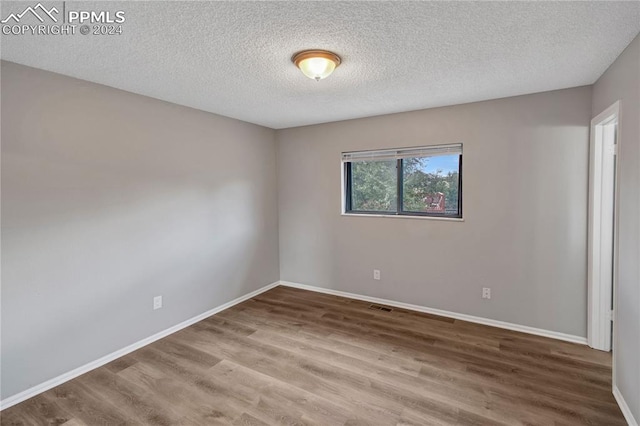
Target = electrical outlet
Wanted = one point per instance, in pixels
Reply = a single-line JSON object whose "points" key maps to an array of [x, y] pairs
{"points": [[486, 293], [157, 302], [376, 274]]}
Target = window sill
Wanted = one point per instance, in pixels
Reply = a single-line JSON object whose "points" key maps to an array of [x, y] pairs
{"points": [[402, 216]]}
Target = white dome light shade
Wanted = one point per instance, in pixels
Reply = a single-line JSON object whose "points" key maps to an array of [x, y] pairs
{"points": [[316, 68], [316, 64]]}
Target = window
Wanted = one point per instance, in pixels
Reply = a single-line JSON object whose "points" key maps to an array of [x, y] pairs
{"points": [[424, 181]]}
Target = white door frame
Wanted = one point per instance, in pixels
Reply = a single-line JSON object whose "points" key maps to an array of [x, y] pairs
{"points": [[603, 205]]}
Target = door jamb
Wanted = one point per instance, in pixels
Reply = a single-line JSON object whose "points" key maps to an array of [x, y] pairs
{"points": [[598, 336]]}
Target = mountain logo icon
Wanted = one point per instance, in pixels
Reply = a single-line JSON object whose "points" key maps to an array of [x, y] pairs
{"points": [[38, 11]]}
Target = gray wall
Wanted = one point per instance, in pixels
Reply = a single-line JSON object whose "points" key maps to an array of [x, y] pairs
{"points": [[110, 198], [622, 82], [525, 218]]}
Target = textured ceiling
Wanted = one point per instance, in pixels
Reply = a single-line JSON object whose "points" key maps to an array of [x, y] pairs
{"points": [[233, 58]]}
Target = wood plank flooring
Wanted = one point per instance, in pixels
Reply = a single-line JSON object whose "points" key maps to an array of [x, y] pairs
{"points": [[295, 357]]}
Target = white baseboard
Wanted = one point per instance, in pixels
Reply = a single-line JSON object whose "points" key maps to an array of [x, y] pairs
{"points": [[626, 411], [35, 390], [464, 317], [42, 387]]}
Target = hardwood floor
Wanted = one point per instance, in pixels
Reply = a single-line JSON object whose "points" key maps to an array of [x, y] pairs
{"points": [[294, 357]]}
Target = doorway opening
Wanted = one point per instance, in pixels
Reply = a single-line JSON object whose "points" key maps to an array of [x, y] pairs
{"points": [[602, 228]]}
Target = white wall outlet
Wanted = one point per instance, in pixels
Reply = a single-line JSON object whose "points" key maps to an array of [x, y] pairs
{"points": [[376, 274], [157, 302], [486, 293]]}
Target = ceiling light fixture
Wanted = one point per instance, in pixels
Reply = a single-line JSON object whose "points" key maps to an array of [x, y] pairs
{"points": [[316, 64]]}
